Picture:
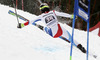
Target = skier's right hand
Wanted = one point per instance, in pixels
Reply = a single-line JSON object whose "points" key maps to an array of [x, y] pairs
{"points": [[20, 25]]}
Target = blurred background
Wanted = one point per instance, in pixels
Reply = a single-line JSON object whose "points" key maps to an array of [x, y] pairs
{"points": [[67, 6]]}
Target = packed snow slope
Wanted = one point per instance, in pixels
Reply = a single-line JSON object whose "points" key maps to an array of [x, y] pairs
{"points": [[30, 43]]}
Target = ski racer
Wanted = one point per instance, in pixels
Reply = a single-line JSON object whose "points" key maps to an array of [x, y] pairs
{"points": [[53, 28]]}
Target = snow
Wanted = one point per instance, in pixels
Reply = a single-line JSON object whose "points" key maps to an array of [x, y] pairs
{"points": [[95, 31], [30, 43]]}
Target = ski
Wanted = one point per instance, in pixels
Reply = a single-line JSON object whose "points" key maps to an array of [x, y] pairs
{"points": [[91, 54], [19, 16]]}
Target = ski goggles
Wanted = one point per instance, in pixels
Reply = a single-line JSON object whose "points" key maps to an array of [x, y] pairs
{"points": [[44, 7]]}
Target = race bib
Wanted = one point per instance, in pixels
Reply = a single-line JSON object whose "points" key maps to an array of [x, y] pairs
{"points": [[49, 19]]}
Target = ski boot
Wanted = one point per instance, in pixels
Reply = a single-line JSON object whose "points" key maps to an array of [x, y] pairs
{"points": [[81, 48]]}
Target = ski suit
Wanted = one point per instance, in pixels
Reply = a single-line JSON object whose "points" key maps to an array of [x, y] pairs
{"points": [[53, 28]]}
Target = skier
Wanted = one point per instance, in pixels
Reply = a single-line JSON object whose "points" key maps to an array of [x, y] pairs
{"points": [[53, 28]]}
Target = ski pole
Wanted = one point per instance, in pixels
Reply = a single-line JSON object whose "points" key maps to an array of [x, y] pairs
{"points": [[15, 11]]}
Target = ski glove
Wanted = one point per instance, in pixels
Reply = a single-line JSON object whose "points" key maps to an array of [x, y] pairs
{"points": [[21, 25], [72, 16]]}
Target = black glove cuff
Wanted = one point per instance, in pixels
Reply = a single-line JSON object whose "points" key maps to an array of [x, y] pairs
{"points": [[19, 25]]}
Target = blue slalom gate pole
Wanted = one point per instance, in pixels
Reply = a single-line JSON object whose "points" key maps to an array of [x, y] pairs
{"points": [[73, 30], [88, 29], [72, 38], [87, 39]]}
